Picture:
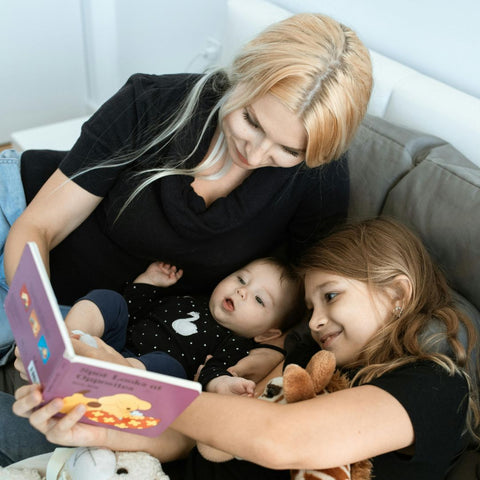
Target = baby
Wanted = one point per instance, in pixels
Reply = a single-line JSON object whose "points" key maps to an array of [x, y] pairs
{"points": [[250, 308]]}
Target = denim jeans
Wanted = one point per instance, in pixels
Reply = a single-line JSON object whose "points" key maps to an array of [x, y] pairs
{"points": [[18, 439], [12, 204]]}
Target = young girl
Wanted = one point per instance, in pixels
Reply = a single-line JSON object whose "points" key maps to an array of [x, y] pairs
{"points": [[384, 309], [206, 172]]}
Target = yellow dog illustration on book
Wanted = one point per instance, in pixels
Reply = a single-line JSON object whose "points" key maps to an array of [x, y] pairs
{"points": [[121, 410]]}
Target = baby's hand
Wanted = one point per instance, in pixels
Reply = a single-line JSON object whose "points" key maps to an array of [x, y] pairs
{"points": [[160, 274], [257, 364], [227, 385]]}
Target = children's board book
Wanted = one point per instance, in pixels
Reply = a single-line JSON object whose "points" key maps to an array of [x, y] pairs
{"points": [[115, 396]]}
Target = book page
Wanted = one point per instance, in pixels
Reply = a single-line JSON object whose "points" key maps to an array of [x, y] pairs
{"points": [[133, 400]]}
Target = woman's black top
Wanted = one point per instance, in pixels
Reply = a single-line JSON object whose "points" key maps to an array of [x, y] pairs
{"points": [[168, 221]]}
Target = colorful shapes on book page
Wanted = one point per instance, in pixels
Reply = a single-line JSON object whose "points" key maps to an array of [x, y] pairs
{"points": [[136, 423], [34, 323], [25, 297], [44, 350]]}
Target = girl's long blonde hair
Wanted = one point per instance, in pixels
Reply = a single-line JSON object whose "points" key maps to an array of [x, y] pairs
{"points": [[430, 326]]}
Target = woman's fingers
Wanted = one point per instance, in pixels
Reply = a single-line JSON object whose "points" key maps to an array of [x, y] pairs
{"points": [[42, 419], [18, 364], [62, 430], [101, 352], [27, 398]]}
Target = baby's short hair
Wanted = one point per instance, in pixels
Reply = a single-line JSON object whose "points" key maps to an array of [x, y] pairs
{"points": [[296, 307]]}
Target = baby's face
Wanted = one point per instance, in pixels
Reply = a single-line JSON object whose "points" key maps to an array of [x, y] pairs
{"points": [[250, 301]]}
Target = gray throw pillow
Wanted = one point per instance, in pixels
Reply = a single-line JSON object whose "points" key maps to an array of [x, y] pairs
{"points": [[379, 156], [440, 200]]}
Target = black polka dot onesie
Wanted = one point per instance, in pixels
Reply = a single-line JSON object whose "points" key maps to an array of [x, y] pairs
{"points": [[183, 327]]}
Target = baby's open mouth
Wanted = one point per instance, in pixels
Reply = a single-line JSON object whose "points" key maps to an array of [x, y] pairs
{"points": [[228, 304]]}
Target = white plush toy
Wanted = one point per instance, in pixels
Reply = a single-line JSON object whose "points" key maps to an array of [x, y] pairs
{"points": [[20, 474], [92, 463]]}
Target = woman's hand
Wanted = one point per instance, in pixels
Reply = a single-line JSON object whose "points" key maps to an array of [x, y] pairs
{"points": [[101, 352], [68, 431], [63, 431], [18, 364]]}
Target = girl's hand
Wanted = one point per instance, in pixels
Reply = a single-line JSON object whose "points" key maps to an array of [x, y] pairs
{"points": [[160, 274], [63, 431]]}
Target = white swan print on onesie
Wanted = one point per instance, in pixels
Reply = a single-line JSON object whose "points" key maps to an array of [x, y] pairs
{"points": [[185, 326]]}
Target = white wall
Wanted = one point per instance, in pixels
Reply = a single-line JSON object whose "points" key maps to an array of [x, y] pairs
{"points": [[62, 58], [42, 66], [150, 36], [440, 38]]}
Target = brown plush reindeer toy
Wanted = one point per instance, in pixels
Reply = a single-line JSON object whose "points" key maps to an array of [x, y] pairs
{"points": [[320, 377]]}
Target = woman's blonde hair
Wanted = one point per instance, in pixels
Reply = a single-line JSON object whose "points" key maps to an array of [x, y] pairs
{"points": [[319, 70], [429, 327]]}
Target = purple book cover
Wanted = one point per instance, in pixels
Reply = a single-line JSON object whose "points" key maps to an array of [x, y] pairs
{"points": [[130, 399]]}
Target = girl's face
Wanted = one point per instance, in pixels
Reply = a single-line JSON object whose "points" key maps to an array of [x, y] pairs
{"points": [[265, 134], [345, 313]]}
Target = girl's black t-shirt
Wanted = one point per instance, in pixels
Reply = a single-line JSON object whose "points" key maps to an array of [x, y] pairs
{"points": [[168, 221], [436, 403]]}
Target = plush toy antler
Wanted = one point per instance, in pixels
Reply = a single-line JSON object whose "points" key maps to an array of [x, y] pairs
{"points": [[318, 378]]}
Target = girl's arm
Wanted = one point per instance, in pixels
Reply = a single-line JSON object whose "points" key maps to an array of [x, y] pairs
{"points": [[335, 429], [327, 431], [59, 207]]}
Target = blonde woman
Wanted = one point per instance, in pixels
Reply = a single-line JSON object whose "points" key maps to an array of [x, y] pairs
{"points": [[206, 172]]}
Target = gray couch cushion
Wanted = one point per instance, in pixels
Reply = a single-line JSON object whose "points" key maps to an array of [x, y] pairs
{"points": [[440, 200], [380, 155], [428, 185]]}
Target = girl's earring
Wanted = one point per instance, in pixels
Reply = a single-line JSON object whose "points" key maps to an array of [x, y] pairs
{"points": [[397, 311]]}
